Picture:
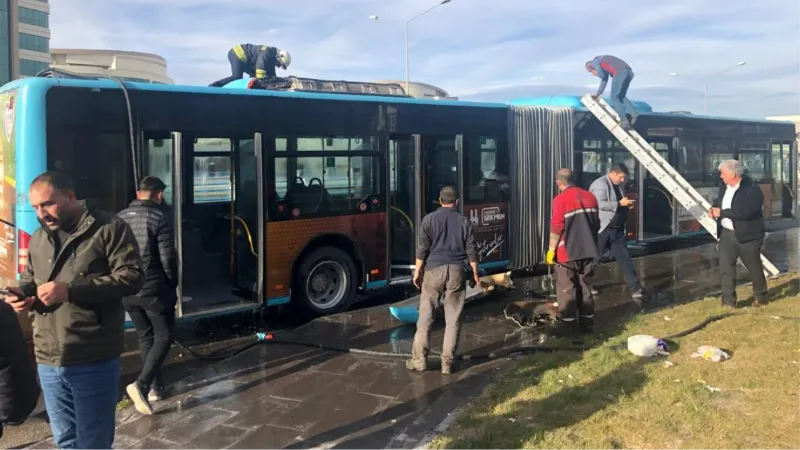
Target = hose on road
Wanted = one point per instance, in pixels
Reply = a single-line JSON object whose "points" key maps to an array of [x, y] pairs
{"points": [[268, 338]]}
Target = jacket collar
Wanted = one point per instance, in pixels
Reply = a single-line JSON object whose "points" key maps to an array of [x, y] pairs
{"points": [[86, 220]]}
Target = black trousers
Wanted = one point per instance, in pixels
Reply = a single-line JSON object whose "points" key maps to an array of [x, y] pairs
{"points": [[750, 252], [237, 70], [154, 319], [573, 293], [614, 239]]}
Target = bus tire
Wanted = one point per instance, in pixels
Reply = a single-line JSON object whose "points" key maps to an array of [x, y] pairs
{"points": [[326, 281]]}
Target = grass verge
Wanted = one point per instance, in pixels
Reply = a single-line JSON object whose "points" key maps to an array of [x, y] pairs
{"points": [[609, 398]]}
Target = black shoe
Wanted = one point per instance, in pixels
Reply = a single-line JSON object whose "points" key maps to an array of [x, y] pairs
{"points": [[586, 325]]}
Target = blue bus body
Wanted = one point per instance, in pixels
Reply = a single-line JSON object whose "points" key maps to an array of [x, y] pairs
{"points": [[25, 145]]}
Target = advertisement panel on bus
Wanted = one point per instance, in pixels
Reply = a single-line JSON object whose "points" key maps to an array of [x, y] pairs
{"points": [[8, 190]]}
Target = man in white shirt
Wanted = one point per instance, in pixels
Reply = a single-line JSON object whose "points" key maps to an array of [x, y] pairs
{"points": [[738, 210]]}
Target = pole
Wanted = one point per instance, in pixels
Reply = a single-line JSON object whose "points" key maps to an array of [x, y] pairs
{"points": [[408, 77]]}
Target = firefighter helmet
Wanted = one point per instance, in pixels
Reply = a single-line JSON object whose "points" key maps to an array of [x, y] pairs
{"points": [[284, 58]]}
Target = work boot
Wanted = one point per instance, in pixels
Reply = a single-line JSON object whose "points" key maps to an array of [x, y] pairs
{"points": [[447, 367], [140, 402], [416, 365]]}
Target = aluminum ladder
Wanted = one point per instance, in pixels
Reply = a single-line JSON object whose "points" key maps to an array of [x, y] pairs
{"points": [[672, 181]]}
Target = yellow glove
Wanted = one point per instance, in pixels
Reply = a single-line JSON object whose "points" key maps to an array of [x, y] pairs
{"points": [[551, 257]]}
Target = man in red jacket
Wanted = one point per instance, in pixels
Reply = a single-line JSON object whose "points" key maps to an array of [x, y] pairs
{"points": [[573, 245]]}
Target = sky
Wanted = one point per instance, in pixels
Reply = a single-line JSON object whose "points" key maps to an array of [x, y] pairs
{"points": [[487, 50]]}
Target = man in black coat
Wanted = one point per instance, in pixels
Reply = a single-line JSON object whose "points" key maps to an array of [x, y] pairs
{"points": [[152, 310], [19, 389], [738, 210]]}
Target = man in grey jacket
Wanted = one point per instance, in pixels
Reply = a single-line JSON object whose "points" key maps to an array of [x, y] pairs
{"points": [[614, 207]]}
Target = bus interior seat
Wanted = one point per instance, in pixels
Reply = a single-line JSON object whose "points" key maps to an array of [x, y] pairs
{"points": [[309, 198]]}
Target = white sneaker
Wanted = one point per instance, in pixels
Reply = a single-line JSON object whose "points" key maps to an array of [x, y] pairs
{"points": [[154, 396], [140, 402]]}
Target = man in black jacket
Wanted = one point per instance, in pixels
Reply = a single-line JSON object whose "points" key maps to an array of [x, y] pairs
{"points": [[19, 390], [153, 308], [738, 210]]}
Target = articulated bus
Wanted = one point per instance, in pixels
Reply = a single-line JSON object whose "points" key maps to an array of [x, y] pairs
{"points": [[311, 197], [694, 145]]}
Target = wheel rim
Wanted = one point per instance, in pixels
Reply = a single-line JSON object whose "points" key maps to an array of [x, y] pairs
{"points": [[326, 285]]}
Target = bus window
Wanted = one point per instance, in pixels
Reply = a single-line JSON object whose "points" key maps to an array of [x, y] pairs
{"points": [[663, 149], [755, 163], [212, 170], [329, 180], [86, 127], [158, 162], [110, 187], [486, 173], [690, 158]]}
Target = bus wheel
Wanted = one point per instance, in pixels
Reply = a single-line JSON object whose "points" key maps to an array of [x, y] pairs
{"points": [[327, 281]]}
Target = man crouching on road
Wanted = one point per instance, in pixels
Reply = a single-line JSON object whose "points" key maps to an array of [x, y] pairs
{"points": [[82, 262], [445, 243], [573, 244]]}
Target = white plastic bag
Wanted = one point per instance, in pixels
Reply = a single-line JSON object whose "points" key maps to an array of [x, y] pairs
{"points": [[647, 346], [710, 353]]}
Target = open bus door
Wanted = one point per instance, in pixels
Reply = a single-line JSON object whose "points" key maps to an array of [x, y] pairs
{"points": [[209, 284], [419, 165]]}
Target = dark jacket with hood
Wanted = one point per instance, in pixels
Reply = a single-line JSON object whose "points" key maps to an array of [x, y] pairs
{"points": [[100, 263], [746, 211], [19, 389], [152, 226]]}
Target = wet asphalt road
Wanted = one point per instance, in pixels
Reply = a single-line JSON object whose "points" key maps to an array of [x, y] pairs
{"points": [[672, 277]]}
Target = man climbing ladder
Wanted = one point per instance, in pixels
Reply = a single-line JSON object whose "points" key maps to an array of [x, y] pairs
{"points": [[258, 61], [605, 65]]}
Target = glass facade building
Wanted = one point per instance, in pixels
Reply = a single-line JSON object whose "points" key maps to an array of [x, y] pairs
{"points": [[24, 38]]}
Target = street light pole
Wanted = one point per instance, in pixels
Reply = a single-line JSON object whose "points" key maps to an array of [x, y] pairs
{"points": [[708, 78], [408, 77], [705, 91]]}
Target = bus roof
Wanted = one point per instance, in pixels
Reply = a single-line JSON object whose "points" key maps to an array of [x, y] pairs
{"points": [[46, 83], [574, 101]]}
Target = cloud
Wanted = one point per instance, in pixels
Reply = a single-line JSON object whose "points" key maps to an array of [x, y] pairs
{"points": [[476, 49]]}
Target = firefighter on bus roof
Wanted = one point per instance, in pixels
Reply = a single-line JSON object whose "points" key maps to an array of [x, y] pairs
{"points": [[258, 61]]}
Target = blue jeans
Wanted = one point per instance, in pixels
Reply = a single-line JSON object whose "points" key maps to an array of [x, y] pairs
{"points": [[81, 402], [619, 92]]}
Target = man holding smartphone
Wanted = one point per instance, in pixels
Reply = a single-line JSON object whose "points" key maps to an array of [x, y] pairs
{"points": [[614, 206], [82, 262]]}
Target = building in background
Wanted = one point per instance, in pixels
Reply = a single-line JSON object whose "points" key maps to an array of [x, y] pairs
{"points": [[130, 66], [24, 38]]}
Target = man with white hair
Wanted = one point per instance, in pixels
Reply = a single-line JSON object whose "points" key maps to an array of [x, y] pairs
{"points": [[738, 210]]}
